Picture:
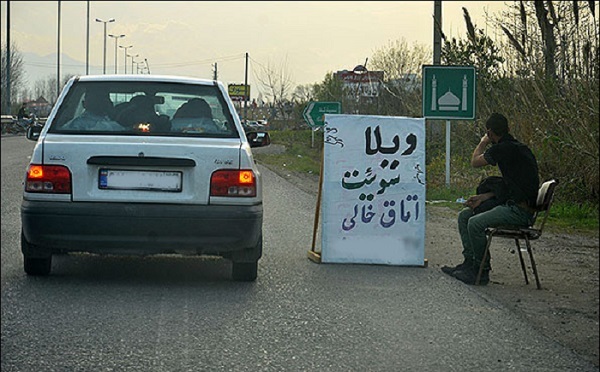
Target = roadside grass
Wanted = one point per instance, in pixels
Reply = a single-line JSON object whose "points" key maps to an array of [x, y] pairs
{"points": [[301, 157]]}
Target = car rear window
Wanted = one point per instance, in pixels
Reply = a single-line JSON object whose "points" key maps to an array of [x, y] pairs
{"points": [[144, 108]]}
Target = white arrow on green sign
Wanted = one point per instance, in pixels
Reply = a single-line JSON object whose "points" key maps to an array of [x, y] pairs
{"points": [[314, 113]]}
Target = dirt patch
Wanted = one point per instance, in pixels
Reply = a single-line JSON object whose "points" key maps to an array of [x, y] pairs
{"points": [[565, 309]]}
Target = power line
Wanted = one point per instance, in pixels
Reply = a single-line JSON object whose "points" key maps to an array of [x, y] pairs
{"points": [[200, 62]]}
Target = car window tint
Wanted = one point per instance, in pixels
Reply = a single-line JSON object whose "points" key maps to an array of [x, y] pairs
{"points": [[144, 108]]}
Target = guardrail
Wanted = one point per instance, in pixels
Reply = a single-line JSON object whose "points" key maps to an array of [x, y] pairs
{"points": [[11, 125]]}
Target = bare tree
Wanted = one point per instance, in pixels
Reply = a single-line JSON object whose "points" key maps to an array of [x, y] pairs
{"points": [[17, 75], [398, 60], [276, 83], [562, 40], [303, 93]]}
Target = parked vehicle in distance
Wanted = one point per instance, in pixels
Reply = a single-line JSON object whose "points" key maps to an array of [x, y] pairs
{"points": [[250, 125], [143, 164]]}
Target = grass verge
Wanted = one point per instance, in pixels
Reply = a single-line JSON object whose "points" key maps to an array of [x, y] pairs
{"points": [[301, 156]]}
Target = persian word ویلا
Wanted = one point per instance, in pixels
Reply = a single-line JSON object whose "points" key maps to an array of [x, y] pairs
{"points": [[411, 140]]}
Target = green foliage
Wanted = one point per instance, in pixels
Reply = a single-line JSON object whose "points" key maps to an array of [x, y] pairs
{"points": [[558, 118], [480, 52], [299, 156], [330, 90]]}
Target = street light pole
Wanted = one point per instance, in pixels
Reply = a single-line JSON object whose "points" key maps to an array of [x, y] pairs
{"points": [[105, 22], [125, 55], [147, 67], [132, 57], [87, 40], [116, 37]]}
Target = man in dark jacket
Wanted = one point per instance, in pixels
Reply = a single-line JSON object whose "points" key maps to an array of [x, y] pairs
{"points": [[519, 170]]}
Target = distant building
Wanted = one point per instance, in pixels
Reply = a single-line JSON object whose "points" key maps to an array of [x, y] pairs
{"points": [[360, 82], [39, 107]]}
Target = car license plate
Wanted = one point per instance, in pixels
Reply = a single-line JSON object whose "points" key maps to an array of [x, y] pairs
{"points": [[139, 180]]}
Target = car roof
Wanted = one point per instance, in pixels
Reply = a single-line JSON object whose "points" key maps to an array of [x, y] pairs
{"points": [[147, 78]]}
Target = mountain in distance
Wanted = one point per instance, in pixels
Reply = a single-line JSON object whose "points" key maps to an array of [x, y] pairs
{"points": [[39, 67]]}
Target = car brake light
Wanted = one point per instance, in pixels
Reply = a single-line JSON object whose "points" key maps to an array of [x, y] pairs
{"points": [[233, 182], [54, 179]]}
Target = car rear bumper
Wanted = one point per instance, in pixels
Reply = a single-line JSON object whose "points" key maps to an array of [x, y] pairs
{"points": [[136, 228]]}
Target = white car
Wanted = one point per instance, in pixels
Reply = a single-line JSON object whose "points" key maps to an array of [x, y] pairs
{"points": [[143, 164]]}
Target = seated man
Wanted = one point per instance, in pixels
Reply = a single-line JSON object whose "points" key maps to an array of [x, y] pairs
{"points": [[97, 106], [140, 115], [194, 116]]}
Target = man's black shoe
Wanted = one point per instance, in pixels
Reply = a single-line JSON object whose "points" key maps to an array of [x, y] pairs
{"points": [[451, 269], [469, 275]]}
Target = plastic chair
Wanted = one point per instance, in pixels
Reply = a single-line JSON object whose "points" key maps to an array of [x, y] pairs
{"points": [[532, 232]]}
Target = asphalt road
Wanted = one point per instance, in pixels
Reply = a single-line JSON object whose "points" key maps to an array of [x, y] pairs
{"points": [[170, 313]]}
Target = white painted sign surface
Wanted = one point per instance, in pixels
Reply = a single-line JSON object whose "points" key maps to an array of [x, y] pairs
{"points": [[373, 196]]}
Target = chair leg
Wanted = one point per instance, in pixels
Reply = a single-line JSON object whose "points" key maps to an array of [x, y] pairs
{"points": [[485, 255], [535, 273], [522, 261]]}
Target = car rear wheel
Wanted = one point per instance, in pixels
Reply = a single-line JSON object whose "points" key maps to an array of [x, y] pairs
{"points": [[245, 271], [34, 266], [37, 266]]}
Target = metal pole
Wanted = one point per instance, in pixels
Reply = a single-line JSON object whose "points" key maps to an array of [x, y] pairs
{"points": [[116, 37], [125, 55], [132, 57], [104, 62], [105, 22], [447, 152], [437, 32], [58, 56], [116, 48], [87, 41], [246, 90], [8, 82]]}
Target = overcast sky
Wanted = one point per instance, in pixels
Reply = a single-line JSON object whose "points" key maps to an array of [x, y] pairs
{"points": [[187, 38]]}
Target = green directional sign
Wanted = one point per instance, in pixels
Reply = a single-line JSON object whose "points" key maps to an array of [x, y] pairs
{"points": [[314, 113], [449, 92]]}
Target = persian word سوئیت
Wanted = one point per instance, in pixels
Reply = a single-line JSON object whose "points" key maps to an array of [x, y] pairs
{"points": [[411, 140], [388, 213], [349, 180]]}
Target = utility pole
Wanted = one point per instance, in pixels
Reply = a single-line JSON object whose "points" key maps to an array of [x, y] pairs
{"points": [[7, 103], [215, 74], [246, 95], [87, 41], [437, 32], [58, 56]]}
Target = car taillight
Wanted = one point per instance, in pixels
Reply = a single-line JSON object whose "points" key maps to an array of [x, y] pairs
{"points": [[53, 179], [232, 182]]}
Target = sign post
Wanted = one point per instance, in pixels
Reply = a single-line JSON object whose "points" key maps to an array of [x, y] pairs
{"points": [[449, 93], [314, 115]]}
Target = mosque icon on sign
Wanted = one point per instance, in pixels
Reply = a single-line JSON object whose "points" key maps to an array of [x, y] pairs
{"points": [[449, 101]]}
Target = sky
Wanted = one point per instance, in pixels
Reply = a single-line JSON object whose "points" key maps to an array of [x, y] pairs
{"points": [[305, 39]]}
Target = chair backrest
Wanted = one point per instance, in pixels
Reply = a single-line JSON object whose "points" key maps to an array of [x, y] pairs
{"points": [[544, 200]]}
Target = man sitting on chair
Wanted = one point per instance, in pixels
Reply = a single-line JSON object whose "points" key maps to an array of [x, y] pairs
{"points": [[519, 170]]}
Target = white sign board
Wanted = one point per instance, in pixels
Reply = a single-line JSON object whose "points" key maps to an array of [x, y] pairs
{"points": [[373, 196]]}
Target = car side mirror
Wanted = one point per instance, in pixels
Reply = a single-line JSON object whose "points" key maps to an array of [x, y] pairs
{"points": [[258, 139], [33, 132]]}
